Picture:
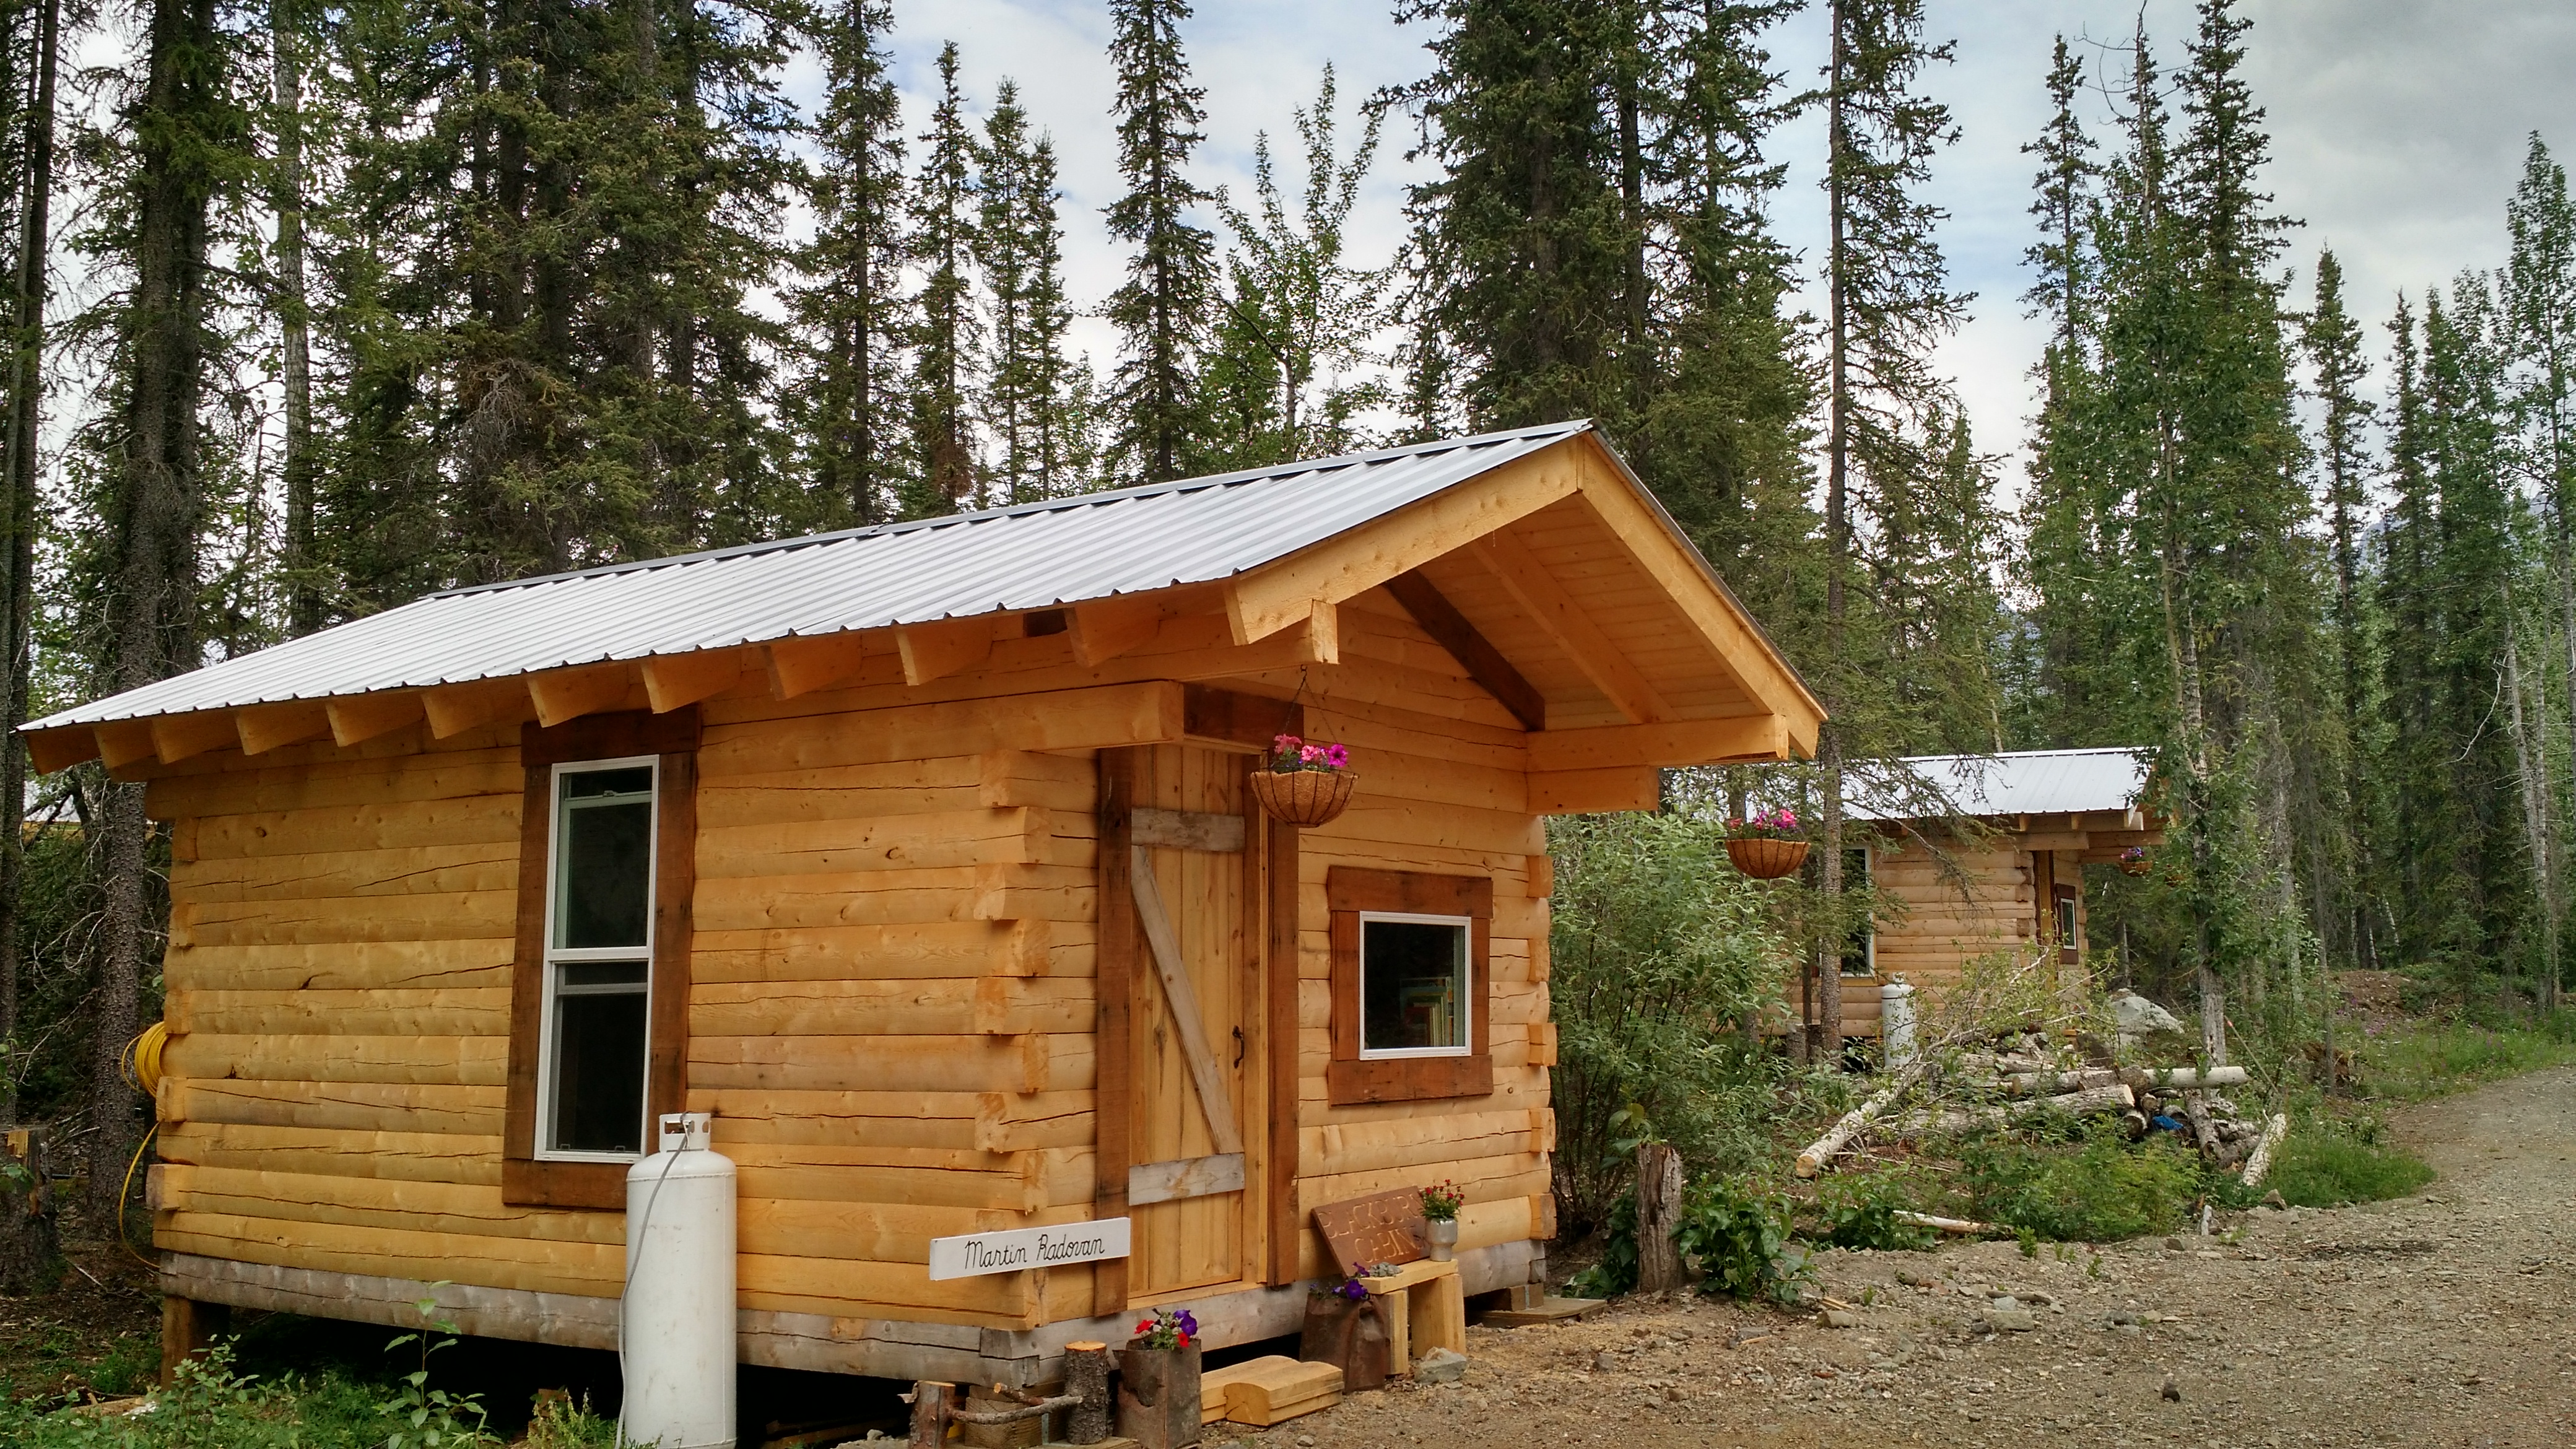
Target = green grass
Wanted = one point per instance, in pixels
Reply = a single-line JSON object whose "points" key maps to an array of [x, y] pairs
{"points": [[2098, 1190], [2331, 1164], [2422, 1060]]}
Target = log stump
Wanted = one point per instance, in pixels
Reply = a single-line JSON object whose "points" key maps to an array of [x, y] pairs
{"points": [[31, 1250], [1086, 1372], [1158, 1396], [1659, 1214]]}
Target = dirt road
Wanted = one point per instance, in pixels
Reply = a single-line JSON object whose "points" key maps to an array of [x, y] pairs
{"points": [[2438, 1320]]}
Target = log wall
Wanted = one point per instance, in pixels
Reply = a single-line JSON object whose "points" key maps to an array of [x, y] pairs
{"points": [[891, 1002], [1940, 914]]}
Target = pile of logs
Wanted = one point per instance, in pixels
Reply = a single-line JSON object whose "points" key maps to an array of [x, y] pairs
{"points": [[2020, 1075]]}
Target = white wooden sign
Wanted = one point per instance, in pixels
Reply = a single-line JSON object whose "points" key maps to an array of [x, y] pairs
{"points": [[972, 1255]]}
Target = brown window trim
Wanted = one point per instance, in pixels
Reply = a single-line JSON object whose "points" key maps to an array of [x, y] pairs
{"points": [[673, 737], [1348, 891], [2058, 917]]}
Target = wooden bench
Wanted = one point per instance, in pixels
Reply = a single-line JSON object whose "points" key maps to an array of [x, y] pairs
{"points": [[1425, 1302]]}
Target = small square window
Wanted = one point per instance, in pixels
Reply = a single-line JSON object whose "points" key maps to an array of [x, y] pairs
{"points": [[595, 1043], [1415, 994]]}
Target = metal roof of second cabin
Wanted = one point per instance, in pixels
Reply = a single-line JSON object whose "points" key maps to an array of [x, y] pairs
{"points": [[2023, 782], [1031, 556]]}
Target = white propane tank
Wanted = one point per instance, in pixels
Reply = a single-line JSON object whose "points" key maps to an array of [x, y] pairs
{"points": [[676, 1324], [1896, 1022]]}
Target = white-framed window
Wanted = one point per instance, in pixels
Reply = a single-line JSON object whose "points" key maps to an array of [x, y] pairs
{"points": [[1416, 995], [1860, 948], [595, 1039]]}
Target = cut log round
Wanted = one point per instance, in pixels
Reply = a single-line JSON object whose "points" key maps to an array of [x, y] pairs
{"points": [[2258, 1163], [1659, 1212]]}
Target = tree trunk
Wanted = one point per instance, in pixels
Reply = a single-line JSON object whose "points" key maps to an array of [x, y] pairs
{"points": [[151, 613], [2534, 778], [1829, 743], [295, 367], [1659, 1213], [18, 507]]}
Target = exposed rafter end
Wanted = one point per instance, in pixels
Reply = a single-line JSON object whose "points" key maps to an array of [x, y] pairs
{"points": [[948, 646], [265, 727], [455, 708], [1106, 628], [61, 749], [803, 665], [675, 681], [177, 737], [358, 718]]}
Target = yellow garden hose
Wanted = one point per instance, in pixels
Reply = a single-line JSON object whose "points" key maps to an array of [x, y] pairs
{"points": [[141, 1066]]}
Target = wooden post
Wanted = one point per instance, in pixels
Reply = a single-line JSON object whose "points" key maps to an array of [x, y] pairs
{"points": [[31, 1256], [1086, 1373], [188, 1329], [930, 1414], [1659, 1212], [1114, 984]]}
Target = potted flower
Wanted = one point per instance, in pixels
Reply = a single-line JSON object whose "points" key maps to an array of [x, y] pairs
{"points": [[1158, 1381], [2133, 861], [1766, 846], [1440, 1204], [1304, 783], [1346, 1327]]}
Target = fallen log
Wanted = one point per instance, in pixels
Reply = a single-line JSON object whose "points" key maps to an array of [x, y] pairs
{"points": [[2182, 1077], [2045, 1084], [2258, 1163], [1960, 1119], [1961, 1226], [1839, 1136], [2204, 1127]]}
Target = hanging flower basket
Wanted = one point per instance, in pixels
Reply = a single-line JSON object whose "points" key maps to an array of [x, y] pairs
{"points": [[1304, 797], [2133, 861], [1764, 858], [1304, 784]]}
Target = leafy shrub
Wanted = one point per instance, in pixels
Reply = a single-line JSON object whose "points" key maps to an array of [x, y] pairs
{"points": [[1616, 1271], [1739, 1236], [1859, 1210], [2330, 1163], [1657, 952], [2097, 1189]]}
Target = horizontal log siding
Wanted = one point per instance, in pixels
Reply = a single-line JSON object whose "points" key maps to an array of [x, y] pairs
{"points": [[891, 1007]]}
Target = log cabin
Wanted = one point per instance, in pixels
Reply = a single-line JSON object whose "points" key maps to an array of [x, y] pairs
{"points": [[2001, 869], [923, 858]]}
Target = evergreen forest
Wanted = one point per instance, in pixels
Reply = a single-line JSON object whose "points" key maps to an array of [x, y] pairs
{"points": [[316, 306]]}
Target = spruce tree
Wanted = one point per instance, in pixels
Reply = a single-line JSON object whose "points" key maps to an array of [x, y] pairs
{"points": [[849, 306], [1019, 248], [2334, 346], [1886, 304], [945, 341], [1163, 310]]}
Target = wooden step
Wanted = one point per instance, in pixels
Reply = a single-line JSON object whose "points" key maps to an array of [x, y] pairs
{"points": [[1266, 1391], [1546, 1310]]}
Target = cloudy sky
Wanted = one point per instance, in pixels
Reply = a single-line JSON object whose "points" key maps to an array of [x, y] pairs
{"points": [[2398, 128]]}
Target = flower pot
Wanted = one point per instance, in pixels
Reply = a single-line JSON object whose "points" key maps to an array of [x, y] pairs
{"points": [[1441, 1235], [1304, 797], [1158, 1396], [2135, 867], [1764, 858], [1350, 1335]]}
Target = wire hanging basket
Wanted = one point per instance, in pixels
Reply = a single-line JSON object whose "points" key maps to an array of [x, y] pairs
{"points": [[1764, 858], [1304, 797]]}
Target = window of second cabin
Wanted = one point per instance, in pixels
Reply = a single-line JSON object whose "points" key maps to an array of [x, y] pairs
{"points": [[1860, 944], [599, 949], [2066, 921], [1415, 996]]}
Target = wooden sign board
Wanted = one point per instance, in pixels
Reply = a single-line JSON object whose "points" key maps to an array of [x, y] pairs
{"points": [[972, 1255], [1384, 1227]]}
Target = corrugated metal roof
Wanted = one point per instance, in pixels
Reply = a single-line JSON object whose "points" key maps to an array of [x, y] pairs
{"points": [[2024, 782], [1033, 556]]}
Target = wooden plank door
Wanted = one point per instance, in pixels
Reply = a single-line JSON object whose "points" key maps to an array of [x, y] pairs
{"points": [[1193, 1185]]}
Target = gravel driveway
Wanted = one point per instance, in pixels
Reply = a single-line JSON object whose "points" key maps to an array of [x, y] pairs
{"points": [[2442, 1319]]}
